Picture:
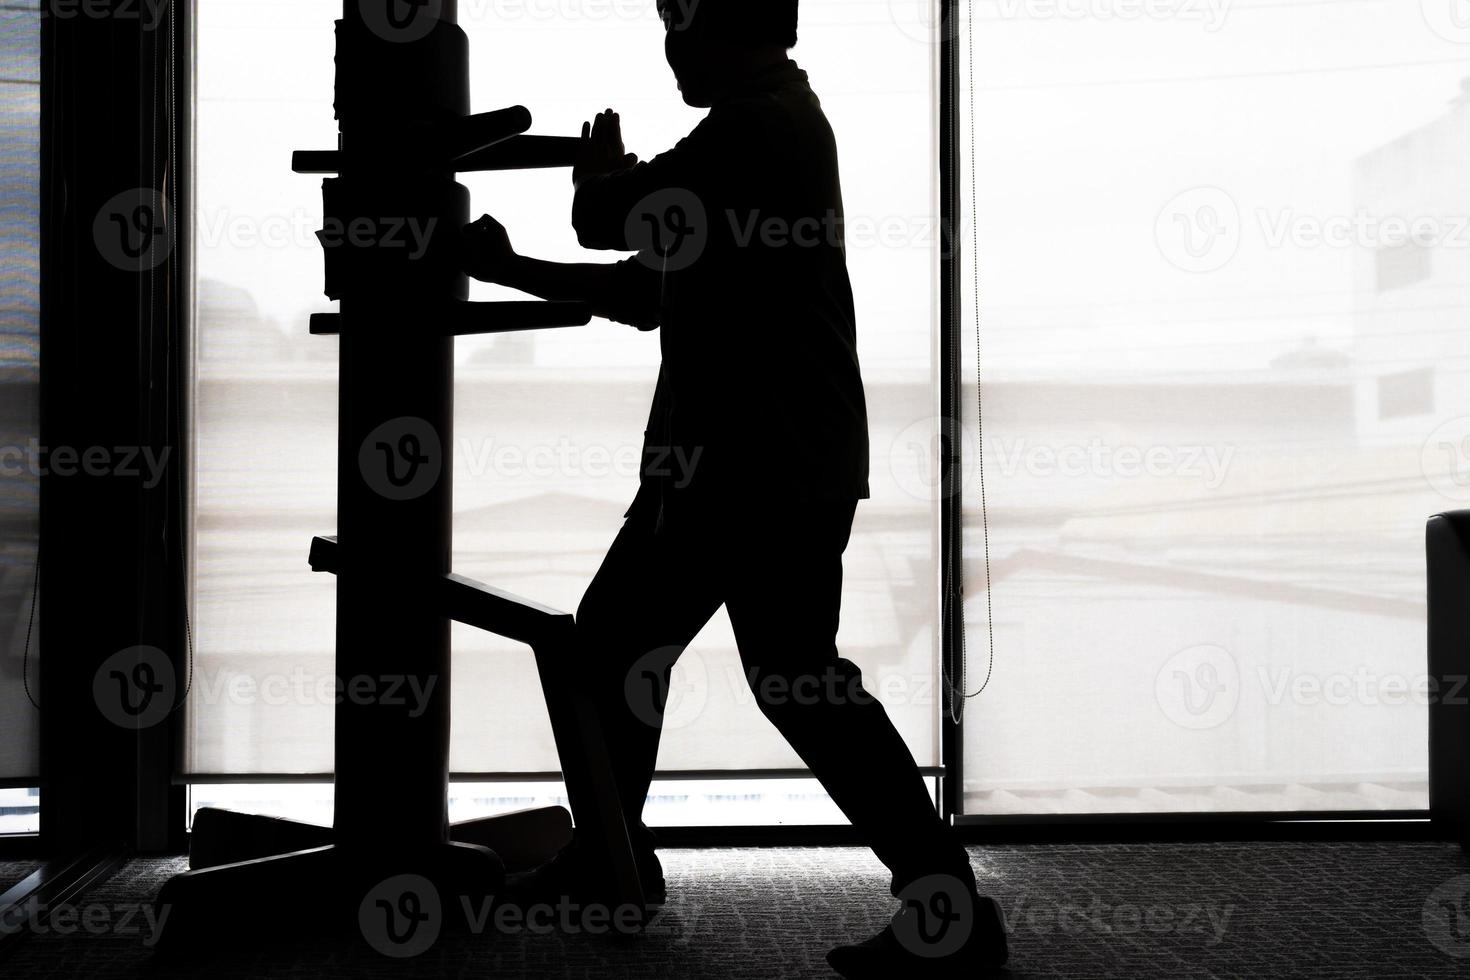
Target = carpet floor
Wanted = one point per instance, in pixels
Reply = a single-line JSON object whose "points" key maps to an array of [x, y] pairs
{"points": [[12, 872], [1369, 910]]}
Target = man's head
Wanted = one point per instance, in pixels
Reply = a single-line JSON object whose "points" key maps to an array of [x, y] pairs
{"points": [[711, 44]]}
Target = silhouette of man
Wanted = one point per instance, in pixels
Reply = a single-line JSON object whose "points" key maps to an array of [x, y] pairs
{"points": [[755, 456]]}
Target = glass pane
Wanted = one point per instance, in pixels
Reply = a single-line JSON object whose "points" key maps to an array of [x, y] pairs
{"points": [[20, 813], [548, 424], [1223, 281]]}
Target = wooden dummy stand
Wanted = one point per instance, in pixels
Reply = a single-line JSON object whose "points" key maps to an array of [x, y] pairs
{"points": [[405, 131]]}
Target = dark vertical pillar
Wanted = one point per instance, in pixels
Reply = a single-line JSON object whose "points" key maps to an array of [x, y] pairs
{"points": [[401, 68], [1447, 563], [951, 414], [114, 669]]}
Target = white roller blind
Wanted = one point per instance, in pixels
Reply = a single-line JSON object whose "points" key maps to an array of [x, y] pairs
{"points": [[20, 303], [548, 424], [1224, 308]]}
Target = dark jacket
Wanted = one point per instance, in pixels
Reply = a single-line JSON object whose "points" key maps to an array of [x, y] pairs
{"points": [[741, 264]]}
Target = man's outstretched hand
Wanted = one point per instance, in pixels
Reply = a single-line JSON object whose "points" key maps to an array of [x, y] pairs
{"points": [[486, 250], [602, 151]]}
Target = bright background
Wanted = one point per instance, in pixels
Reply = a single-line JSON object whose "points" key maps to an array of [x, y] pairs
{"points": [[1221, 395], [548, 424]]}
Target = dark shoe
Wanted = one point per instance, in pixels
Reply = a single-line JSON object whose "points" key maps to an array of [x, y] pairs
{"points": [[579, 878], [938, 941]]}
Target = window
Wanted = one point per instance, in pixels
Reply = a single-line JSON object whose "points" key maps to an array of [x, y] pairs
{"points": [[1205, 541], [20, 811], [548, 424]]}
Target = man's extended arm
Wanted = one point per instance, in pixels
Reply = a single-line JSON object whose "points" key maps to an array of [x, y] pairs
{"points": [[624, 291]]}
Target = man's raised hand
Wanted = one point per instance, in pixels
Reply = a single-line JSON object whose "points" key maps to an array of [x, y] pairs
{"points": [[601, 150]]}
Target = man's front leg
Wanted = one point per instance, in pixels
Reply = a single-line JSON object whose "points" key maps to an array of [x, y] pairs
{"points": [[647, 602]]}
